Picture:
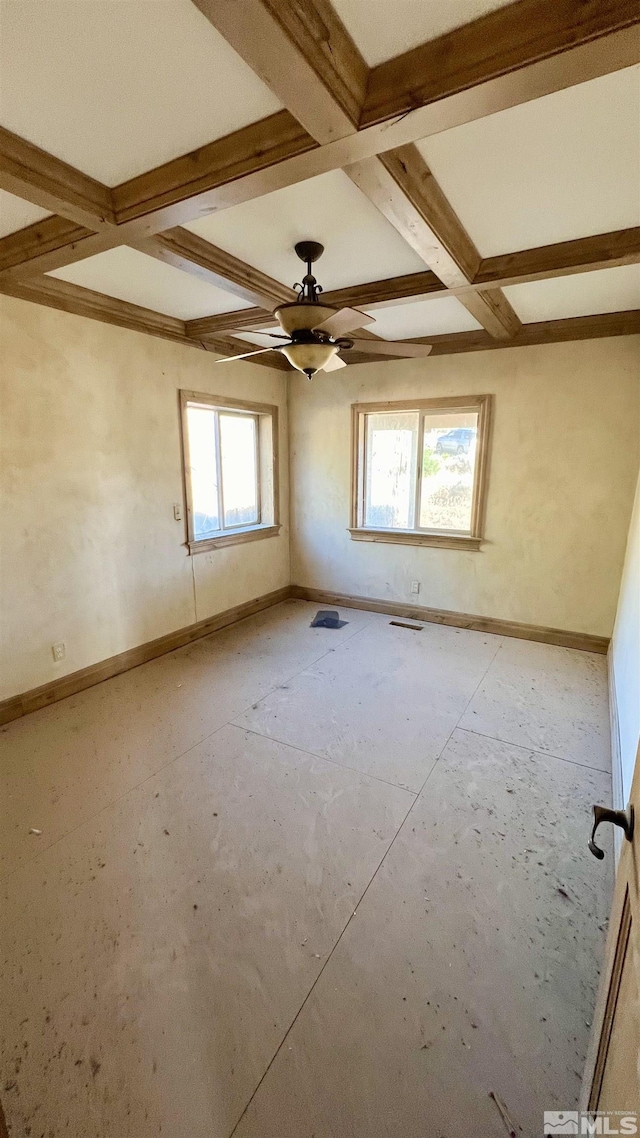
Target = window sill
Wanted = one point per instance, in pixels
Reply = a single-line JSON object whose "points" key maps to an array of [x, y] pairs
{"points": [[236, 538], [413, 537]]}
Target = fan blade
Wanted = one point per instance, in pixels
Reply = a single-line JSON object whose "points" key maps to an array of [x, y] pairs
{"points": [[244, 355], [335, 363], [397, 348], [343, 321], [256, 332]]}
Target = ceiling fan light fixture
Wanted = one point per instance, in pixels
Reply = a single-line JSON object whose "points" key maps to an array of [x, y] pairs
{"points": [[302, 317], [317, 331], [309, 358]]}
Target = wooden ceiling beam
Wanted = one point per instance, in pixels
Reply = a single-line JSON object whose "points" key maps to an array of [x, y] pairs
{"points": [[532, 335], [72, 298], [250, 319], [493, 46], [405, 191], [375, 294], [51, 244], [187, 251], [402, 187], [230, 170], [48, 236], [66, 297], [583, 255], [303, 53], [40, 178], [542, 332]]}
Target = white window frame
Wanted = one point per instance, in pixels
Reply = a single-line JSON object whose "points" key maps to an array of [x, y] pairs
{"points": [[265, 417], [481, 405]]}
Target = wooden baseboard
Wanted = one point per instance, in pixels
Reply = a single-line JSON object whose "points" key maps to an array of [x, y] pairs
{"points": [[32, 700], [583, 641]]}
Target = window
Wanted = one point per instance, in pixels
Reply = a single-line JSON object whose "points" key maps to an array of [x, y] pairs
{"points": [[420, 471], [230, 467]]}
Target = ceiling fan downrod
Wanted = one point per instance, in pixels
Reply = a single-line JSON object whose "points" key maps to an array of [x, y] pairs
{"points": [[309, 290]]}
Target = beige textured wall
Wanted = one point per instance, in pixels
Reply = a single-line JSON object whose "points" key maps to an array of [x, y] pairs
{"points": [[90, 553], [564, 463]]}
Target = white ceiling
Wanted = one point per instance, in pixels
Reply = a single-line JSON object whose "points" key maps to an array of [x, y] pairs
{"points": [[360, 244], [554, 169], [117, 87], [382, 31], [133, 276], [16, 214], [422, 318], [585, 294]]}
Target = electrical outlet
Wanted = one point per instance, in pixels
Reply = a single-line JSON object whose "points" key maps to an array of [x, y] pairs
{"points": [[177, 511], [415, 586], [58, 651]]}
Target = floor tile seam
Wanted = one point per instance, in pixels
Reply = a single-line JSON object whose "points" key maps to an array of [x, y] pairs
{"points": [[4, 877], [455, 726], [478, 685], [294, 675], [306, 999], [534, 750], [322, 758]]}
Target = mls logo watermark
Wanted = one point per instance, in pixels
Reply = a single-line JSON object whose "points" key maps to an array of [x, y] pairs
{"points": [[594, 1122]]}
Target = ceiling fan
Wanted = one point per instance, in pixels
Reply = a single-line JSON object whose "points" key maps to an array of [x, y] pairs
{"points": [[314, 333]]}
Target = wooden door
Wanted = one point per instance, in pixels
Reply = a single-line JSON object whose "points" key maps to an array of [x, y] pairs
{"points": [[612, 1077]]}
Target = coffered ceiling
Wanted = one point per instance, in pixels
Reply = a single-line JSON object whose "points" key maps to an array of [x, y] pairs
{"points": [[471, 166]]}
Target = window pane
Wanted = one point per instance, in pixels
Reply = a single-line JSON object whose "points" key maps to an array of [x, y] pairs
{"points": [[203, 471], [448, 470], [239, 474], [391, 457]]}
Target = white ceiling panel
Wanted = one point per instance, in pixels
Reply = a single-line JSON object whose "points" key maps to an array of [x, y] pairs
{"points": [[133, 276], [382, 30], [422, 318], [117, 87], [554, 169], [17, 214], [585, 294], [360, 244]]}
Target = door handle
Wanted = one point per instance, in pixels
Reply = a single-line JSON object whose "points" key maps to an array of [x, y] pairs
{"points": [[623, 818]]}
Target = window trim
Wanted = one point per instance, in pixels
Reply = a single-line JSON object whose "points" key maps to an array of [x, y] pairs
{"points": [[482, 405], [232, 535]]}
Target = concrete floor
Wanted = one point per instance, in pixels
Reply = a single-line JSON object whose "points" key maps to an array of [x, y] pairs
{"points": [[301, 883]]}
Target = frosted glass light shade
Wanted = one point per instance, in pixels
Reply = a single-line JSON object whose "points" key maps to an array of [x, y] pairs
{"points": [[309, 358], [296, 317]]}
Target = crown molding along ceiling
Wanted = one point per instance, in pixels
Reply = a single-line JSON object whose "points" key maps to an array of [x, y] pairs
{"points": [[333, 102]]}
